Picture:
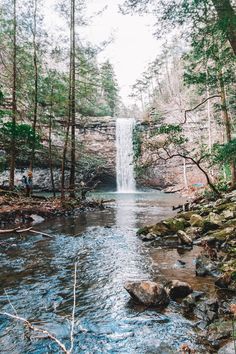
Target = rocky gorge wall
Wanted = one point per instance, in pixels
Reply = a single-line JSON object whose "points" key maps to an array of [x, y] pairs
{"points": [[97, 137]]}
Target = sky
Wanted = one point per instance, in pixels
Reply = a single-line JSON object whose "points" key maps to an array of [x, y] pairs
{"points": [[133, 46]]}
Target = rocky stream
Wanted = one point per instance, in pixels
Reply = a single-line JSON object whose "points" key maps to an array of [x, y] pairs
{"points": [[179, 271]]}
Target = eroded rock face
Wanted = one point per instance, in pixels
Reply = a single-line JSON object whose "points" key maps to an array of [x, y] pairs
{"points": [[147, 293], [178, 289]]}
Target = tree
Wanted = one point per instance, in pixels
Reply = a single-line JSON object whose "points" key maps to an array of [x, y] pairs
{"points": [[14, 101], [227, 20], [188, 11], [109, 87]]}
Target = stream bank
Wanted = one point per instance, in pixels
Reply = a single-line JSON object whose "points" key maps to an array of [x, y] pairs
{"points": [[205, 234]]}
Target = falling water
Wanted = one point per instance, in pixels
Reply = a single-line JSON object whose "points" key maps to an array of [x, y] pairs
{"points": [[124, 155]]}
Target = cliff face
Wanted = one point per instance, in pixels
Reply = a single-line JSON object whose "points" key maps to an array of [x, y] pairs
{"points": [[96, 156], [156, 168]]}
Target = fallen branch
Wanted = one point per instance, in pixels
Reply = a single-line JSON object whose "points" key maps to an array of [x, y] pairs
{"points": [[41, 233], [44, 331], [37, 329], [24, 230], [8, 231]]}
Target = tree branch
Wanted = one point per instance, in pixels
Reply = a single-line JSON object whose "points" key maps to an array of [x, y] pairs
{"points": [[197, 106]]}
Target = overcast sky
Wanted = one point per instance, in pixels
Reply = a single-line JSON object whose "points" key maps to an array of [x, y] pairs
{"points": [[133, 47]]}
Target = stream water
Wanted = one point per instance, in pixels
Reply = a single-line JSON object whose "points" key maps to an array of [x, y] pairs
{"points": [[37, 275]]}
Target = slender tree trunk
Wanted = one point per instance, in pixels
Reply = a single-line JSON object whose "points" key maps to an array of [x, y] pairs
{"points": [[72, 168], [227, 121], [65, 148], [14, 104], [50, 144], [185, 174], [35, 59], [227, 17]]}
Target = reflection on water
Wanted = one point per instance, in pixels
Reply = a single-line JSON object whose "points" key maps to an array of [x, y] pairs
{"points": [[38, 276]]}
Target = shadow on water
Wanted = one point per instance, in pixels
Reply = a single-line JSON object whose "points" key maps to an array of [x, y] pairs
{"points": [[38, 276]]}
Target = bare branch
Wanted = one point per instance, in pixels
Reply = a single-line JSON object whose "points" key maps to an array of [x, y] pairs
{"points": [[200, 104], [37, 329]]}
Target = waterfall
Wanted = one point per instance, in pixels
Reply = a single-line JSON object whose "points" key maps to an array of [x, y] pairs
{"points": [[124, 155]]}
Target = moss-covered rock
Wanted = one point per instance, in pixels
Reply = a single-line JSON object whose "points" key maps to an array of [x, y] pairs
{"points": [[143, 230], [224, 234], [226, 206], [196, 220], [175, 224]]}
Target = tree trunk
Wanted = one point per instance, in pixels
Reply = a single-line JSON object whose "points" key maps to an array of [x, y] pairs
{"points": [[72, 168], [227, 17], [50, 145], [227, 121], [14, 104], [35, 59]]}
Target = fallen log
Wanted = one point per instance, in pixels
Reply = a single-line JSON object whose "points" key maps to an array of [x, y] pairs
{"points": [[24, 230], [29, 229], [41, 233], [8, 231]]}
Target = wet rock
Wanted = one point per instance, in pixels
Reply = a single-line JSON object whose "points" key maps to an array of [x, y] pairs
{"points": [[223, 281], [159, 229], [37, 218], [190, 302], [214, 218], [186, 215], [193, 232], [148, 237], [196, 220], [207, 310], [184, 238], [219, 330], [228, 214], [222, 235], [143, 230], [205, 266], [178, 289], [175, 224], [147, 293], [229, 348], [180, 264], [209, 226], [163, 348]]}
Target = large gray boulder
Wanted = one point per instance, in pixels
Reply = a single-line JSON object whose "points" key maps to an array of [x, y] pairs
{"points": [[147, 293]]}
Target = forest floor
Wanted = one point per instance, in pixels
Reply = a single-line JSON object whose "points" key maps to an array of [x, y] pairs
{"points": [[17, 209]]}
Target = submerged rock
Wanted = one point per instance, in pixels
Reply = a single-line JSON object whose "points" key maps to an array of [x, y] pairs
{"points": [[178, 289], [148, 237], [205, 266], [190, 302], [147, 293]]}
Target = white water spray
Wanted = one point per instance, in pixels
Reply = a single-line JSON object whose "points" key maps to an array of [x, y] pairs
{"points": [[124, 155]]}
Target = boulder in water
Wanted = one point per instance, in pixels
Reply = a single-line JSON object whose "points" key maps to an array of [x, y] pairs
{"points": [[205, 266], [178, 289], [147, 293], [184, 238]]}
